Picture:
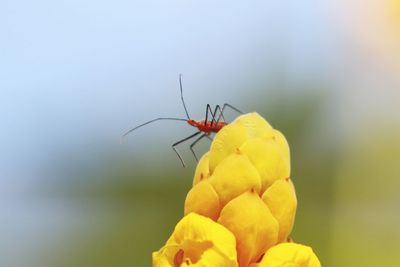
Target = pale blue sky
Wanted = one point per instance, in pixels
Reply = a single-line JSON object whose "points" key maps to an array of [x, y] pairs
{"points": [[76, 72]]}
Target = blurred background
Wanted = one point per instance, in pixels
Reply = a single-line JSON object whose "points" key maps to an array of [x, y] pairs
{"points": [[75, 75]]}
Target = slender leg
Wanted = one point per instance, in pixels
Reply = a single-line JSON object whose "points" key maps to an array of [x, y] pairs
{"points": [[208, 109], [221, 113], [229, 106], [181, 141], [183, 101], [195, 142], [213, 114]]}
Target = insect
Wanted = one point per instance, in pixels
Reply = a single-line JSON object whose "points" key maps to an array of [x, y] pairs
{"points": [[214, 121]]}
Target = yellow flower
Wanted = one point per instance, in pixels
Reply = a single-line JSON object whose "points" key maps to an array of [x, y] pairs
{"points": [[202, 170], [244, 128], [253, 225], [280, 198], [242, 204], [202, 199], [290, 255], [247, 154], [234, 176], [268, 157], [243, 183], [197, 241]]}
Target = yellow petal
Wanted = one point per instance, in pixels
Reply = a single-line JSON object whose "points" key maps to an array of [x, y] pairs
{"points": [[226, 142], [281, 141], [234, 176], [256, 126], [202, 170], [232, 136], [268, 158], [202, 199], [280, 198], [290, 255], [197, 241], [253, 225]]}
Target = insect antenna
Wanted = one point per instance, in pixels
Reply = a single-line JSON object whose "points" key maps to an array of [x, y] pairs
{"points": [[183, 101], [148, 122]]}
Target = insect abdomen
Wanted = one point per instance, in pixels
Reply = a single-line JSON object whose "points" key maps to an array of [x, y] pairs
{"points": [[210, 127]]}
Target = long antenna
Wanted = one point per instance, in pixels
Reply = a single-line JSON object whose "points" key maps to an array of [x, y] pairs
{"points": [[183, 101], [148, 122]]}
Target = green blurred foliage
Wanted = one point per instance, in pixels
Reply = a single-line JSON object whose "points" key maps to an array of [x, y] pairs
{"points": [[139, 217], [366, 217]]}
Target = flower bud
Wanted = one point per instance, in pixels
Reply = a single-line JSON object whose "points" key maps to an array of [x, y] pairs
{"points": [[202, 170], [197, 240], [241, 206], [234, 176], [280, 198], [203, 200], [290, 255], [253, 225]]}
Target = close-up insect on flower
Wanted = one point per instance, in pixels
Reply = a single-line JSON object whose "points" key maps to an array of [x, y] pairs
{"points": [[199, 133], [248, 194]]}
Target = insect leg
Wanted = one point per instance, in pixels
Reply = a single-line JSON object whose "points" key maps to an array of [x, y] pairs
{"points": [[181, 141], [183, 101], [229, 106], [195, 142], [208, 109], [221, 114], [148, 122]]}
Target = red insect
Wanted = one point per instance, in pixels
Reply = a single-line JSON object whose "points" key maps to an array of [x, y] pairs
{"points": [[206, 127]]}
